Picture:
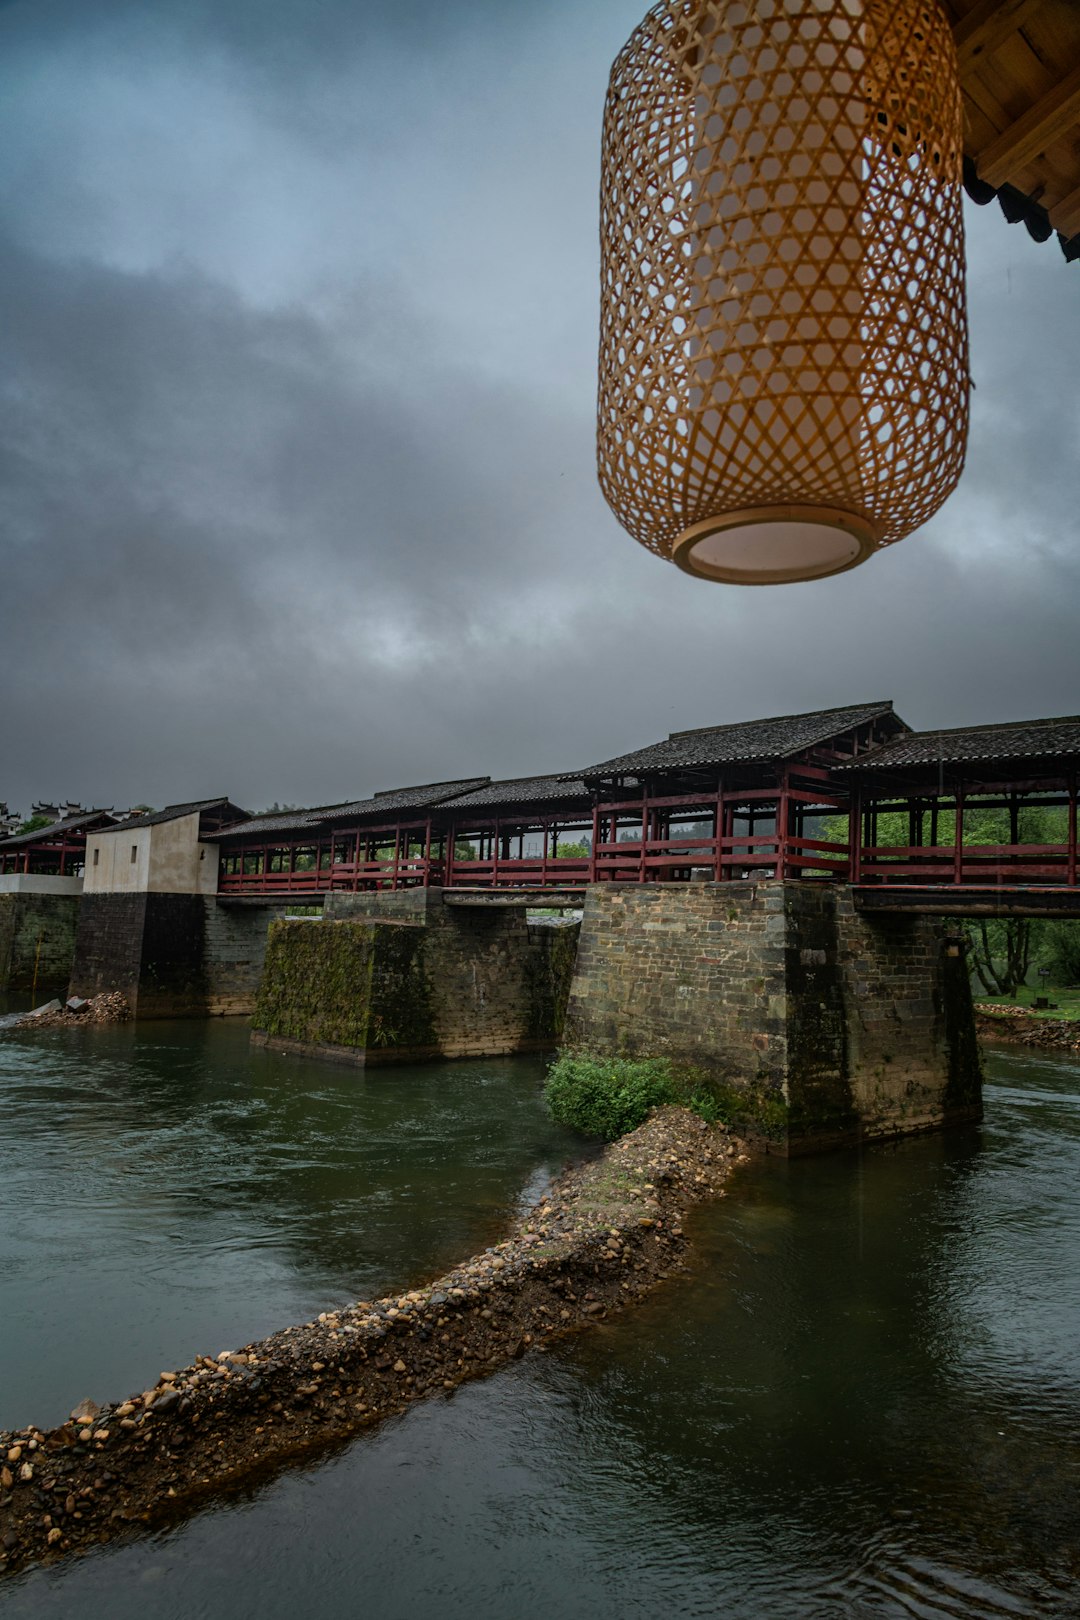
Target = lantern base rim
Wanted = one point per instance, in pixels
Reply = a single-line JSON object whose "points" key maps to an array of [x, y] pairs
{"points": [[775, 545]]}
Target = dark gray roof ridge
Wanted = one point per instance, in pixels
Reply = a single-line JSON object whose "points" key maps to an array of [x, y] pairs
{"points": [[1014, 739], [496, 792], [774, 719], [64, 824], [172, 812], [424, 787], [413, 798], [734, 740], [278, 821], [991, 725]]}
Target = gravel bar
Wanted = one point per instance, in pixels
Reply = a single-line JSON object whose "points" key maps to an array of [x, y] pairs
{"points": [[605, 1233]]}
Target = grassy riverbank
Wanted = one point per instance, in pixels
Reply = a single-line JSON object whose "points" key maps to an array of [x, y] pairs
{"points": [[1066, 1002]]}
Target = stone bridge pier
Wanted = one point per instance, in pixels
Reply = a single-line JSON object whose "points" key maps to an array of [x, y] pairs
{"points": [[407, 975], [38, 916], [847, 1026], [172, 955]]}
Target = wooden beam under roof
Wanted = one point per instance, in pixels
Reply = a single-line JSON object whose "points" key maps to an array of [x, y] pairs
{"points": [[989, 25], [1054, 115], [1019, 74]]}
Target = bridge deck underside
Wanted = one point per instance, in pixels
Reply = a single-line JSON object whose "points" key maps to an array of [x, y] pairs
{"points": [[958, 901]]}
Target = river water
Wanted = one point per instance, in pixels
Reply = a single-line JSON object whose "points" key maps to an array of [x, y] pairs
{"points": [[862, 1400]]}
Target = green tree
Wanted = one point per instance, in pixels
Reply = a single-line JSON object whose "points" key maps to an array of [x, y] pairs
{"points": [[1061, 950], [35, 823], [1000, 951]]}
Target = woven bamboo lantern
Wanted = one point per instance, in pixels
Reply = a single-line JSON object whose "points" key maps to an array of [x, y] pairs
{"points": [[783, 346]]}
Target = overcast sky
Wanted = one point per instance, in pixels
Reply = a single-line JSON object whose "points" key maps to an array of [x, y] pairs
{"points": [[298, 379]]}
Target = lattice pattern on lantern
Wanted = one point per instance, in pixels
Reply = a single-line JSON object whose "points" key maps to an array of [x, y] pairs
{"points": [[783, 330]]}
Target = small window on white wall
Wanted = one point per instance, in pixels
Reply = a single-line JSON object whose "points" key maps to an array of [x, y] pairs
{"points": [[97, 856], [134, 853]]}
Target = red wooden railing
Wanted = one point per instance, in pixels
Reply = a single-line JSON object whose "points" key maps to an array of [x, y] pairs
{"points": [[726, 857], [982, 864], [528, 872], [730, 857], [342, 875], [669, 859]]}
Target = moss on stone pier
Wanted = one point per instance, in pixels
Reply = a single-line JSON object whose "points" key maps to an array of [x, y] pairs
{"points": [[359, 985]]}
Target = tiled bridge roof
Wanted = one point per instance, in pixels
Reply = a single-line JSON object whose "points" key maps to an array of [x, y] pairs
{"points": [[524, 790], [173, 812], [742, 742], [1019, 739], [89, 821], [412, 798]]}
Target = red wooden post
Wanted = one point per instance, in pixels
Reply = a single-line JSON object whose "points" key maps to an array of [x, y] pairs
{"points": [[782, 811], [1072, 831], [595, 839], [958, 849], [642, 872], [718, 852], [855, 833], [427, 853]]}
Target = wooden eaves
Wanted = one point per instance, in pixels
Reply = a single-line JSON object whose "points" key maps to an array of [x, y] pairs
{"points": [[1019, 64]]}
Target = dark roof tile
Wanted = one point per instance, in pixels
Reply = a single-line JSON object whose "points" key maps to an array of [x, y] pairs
{"points": [[173, 812], [524, 790], [411, 798], [323, 817], [87, 822], [1015, 739], [278, 822], [744, 741]]}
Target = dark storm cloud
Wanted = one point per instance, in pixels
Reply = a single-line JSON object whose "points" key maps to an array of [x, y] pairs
{"points": [[298, 496]]}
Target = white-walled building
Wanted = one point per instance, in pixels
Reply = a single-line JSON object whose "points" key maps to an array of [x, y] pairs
{"points": [[166, 852]]}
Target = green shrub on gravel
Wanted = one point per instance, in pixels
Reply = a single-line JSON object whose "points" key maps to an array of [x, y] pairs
{"points": [[607, 1096]]}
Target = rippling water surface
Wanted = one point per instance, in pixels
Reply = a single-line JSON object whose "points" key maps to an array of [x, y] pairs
{"points": [[864, 1400], [168, 1191]]}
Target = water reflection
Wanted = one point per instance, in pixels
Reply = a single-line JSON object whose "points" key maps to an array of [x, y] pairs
{"points": [[863, 1401]]}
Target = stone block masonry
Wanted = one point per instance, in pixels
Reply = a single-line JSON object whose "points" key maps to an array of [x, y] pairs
{"points": [[37, 940], [689, 971], [847, 1027], [912, 1048], [108, 946], [398, 976], [234, 950], [171, 955], [352, 991]]}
